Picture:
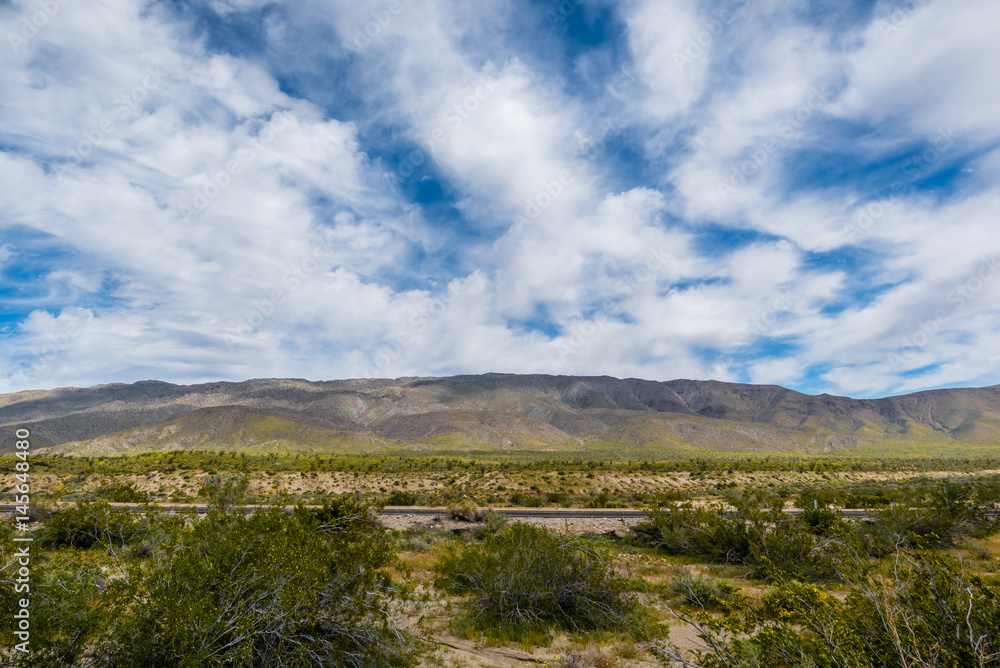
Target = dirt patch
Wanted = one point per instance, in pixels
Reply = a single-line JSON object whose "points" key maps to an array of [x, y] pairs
{"points": [[475, 654]]}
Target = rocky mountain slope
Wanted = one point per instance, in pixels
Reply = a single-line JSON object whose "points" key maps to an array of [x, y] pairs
{"points": [[534, 412]]}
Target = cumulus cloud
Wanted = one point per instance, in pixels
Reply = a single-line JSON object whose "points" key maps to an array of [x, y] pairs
{"points": [[751, 191]]}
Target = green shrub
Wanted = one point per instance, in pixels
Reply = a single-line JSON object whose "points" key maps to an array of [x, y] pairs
{"points": [[555, 497], [678, 528], [600, 500], [225, 493], [493, 523], [787, 549], [924, 612], [401, 498], [756, 534], [527, 500], [817, 511], [272, 589], [938, 514], [89, 523], [337, 511], [68, 610], [703, 591], [528, 578], [860, 501], [720, 535], [120, 492]]}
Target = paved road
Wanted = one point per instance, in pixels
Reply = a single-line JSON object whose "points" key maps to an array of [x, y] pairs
{"points": [[567, 513], [571, 513], [421, 511]]}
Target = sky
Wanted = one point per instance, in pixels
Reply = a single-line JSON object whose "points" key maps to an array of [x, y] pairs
{"points": [[796, 192]]}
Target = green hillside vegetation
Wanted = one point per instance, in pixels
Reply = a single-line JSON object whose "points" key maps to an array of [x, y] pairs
{"points": [[500, 412], [232, 429], [645, 435]]}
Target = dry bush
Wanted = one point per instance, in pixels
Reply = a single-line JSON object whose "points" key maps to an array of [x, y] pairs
{"points": [[464, 512]]}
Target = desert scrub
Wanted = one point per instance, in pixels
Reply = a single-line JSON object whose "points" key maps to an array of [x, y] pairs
{"points": [[705, 592], [303, 590], [756, 534], [271, 589], [225, 493], [402, 498], [493, 523], [68, 608], [922, 611], [88, 524], [464, 512], [122, 492], [526, 578]]}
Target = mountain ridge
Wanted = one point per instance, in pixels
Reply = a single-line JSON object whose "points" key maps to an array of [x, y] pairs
{"points": [[494, 410]]}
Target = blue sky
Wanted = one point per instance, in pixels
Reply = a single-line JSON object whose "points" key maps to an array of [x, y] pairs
{"points": [[800, 193]]}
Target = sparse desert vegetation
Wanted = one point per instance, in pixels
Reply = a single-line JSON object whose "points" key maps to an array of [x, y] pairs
{"points": [[718, 574], [604, 479]]}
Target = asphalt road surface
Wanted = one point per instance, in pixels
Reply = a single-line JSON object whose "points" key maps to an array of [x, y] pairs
{"points": [[422, 511]]}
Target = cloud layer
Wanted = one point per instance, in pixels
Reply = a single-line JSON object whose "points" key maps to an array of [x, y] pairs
{"points": [[801, 193]]}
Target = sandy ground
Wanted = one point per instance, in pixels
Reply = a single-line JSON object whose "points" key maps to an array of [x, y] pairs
{"points": [[575, 526], [162, 486]]}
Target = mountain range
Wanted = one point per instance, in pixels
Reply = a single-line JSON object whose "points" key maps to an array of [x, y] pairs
{"points": [[491, 412]]}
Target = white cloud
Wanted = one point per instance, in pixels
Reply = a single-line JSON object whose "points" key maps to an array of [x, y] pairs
{"points": [[672, 45], [925, 65], [256, 231]]}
